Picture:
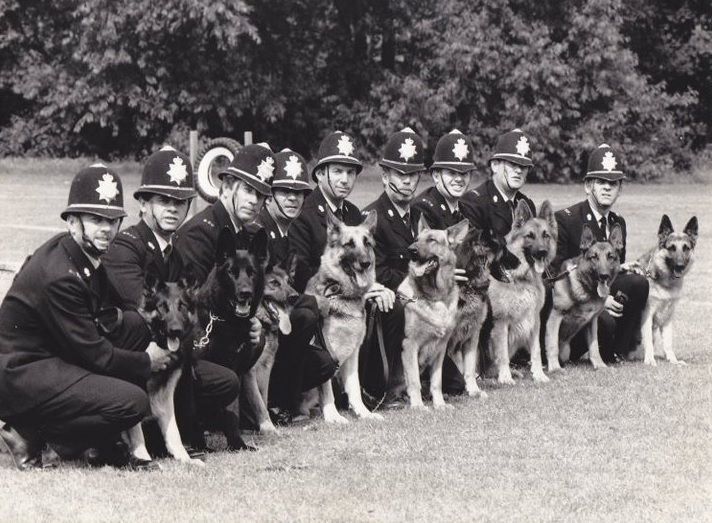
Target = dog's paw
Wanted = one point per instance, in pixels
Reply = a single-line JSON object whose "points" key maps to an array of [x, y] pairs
{"points": [[420, 406], [267, 427], [196, 462], [476, 393], [598, 365], [678, 362], [505, 380], [370, 415], [554, 368], [650, 361], [540, 377], [444, 406]]}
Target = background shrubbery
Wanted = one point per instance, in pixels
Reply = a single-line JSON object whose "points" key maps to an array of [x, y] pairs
{"points": [[117, 78]]}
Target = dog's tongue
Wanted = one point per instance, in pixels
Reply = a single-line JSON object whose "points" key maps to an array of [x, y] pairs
{"points": [[539, 266], [173, 344], [242, 310], [420, 270], [285, 326], [603, 289]]}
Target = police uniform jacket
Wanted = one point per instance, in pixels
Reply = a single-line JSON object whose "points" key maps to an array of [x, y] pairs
{"points": [[278, 244], [487, 210], [132, 254], [570, 222], [433, 207], [196, 241], [393, 238], [307, 235], [48, 336]]}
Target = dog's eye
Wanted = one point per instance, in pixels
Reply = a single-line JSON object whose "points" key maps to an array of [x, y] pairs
{"points": [[531, 236], [672, 248], [593, 256], [545, 234], [685, 248]]}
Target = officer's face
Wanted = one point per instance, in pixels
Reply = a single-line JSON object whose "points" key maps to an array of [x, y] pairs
{"points": [[400, 187], [287, 202], [244, 202], [163, 214], [451, 184], [509, 175], [337, 180], [98, 230], [603, 191]]}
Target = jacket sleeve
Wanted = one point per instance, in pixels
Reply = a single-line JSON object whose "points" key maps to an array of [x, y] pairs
{"points": [[302, 245], [124, 266], [66, 311], [197, 251], [386, 274], [563, 241]]}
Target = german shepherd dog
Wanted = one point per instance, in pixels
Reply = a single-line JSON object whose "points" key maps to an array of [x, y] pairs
{"points": [[170, 312], [665, 267], [346, 273], [475, 255], [430, 298], [516, 305], [273, 313], [226, 303], [579, 296]]}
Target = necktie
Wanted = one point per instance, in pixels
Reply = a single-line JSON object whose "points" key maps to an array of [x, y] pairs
{"points": [[510, 204], [339, 213], [167, 251], [406, 220], [602, 224], [456, 216]]}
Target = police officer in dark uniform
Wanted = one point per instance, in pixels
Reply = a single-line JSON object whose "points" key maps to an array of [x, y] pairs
{"points": [[290, 187], [619, 322], [165, 194], [73, 365], [490, 206], [453, 164], [402, 164], [298, 365]]}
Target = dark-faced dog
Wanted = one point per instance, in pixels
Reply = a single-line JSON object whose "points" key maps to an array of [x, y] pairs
{"points": [[226, 303], [665, 267], [430, 299], [169, 310], [273, 313], [516, 304], [580, 295]]}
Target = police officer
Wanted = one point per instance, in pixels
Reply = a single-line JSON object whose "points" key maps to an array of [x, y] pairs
{"points": [[490, 206], [451, 171], [619, 323], [402, 164], [72, 364], [165, 194]]}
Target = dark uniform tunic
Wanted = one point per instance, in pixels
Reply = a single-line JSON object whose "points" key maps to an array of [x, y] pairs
{"points": [[278, 243], [432, 205], [54, 357], [488, 211]]}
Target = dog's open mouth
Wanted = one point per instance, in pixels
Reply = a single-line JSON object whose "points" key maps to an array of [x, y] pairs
{"points": [[285, 325], [241, 308], [173, 344], [603, 288], [537, 260], [678, 271], [421, 266]]}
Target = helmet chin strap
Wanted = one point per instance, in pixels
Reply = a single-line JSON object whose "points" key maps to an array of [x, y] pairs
{"points": [[392, 187], [89, 245], [161, 230]]}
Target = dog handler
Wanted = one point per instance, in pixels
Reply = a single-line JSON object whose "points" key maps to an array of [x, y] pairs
{"points": [[72, 364], [165, 194], [619, 322]]}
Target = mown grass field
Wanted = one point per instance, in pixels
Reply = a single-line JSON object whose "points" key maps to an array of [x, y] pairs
{"points": [[628, 443]]}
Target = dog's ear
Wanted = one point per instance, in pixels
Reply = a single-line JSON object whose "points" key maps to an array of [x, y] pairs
{"points": [[188, 277], [587, 238], [691, 230], [616, 238], [225, 246], [456, 233], [546, 212], [371, 221], [333, 225], [422, 224], [522, 214], [664, 230], [291, 267], [259, 246]]}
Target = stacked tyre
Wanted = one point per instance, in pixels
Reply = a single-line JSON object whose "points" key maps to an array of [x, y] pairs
{"points": [[213, 158]]}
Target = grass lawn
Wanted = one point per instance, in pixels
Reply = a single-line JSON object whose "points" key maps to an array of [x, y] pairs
{"points": [[627, 443]]}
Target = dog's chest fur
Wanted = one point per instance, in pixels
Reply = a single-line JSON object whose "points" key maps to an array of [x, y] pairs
{"points": [[518, 304], [345, 326]]}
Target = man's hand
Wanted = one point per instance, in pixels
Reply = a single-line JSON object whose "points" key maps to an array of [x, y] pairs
{"points": [[460, 276], [613, 307], [255, 333], [383, 296], [160, 358], [633, 268]]}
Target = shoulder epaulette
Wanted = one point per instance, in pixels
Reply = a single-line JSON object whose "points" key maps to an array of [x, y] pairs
{"points": [[130, 235], [205, 220]]}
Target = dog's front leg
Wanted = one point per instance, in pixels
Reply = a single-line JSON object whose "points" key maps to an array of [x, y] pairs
{"points": [[470, 357], [411, 370], [352, 387], [536, 367], [667, 343], [551, 340], [500, 345], [436, 381], [257, 404], [136, 442], [594, 353], [328, 406], [163, 408], [646, 331]]}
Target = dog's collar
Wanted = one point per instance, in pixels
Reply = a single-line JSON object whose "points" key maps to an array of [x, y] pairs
{"points": [[332, 289], [560, 276], [407, 299], [203, 342]]}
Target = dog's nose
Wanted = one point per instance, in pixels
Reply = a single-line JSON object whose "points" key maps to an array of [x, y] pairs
{"points": [[292, 298], [245, 295], [541, 254]]}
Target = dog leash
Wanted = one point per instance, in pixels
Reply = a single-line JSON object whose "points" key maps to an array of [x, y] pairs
{"points": [[375, 321], [560, 276]]}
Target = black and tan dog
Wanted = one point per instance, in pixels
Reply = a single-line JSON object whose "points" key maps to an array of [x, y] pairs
{"points": [[430, 298], [665, 267], [579, 295], [516, 305], [273, 313], [169, 309], [346, 273], [226, 304]]}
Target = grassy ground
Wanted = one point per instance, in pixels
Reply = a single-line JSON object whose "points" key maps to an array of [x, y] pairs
{"points": [[629, 443]]}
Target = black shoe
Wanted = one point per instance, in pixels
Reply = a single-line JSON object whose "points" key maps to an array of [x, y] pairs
{"points": [[25, 454], [115, 454], [196, 453], [285, 418], [141, 465]]}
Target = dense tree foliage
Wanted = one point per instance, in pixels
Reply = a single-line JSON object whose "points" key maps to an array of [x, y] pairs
{"points": [[117, 78]]}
